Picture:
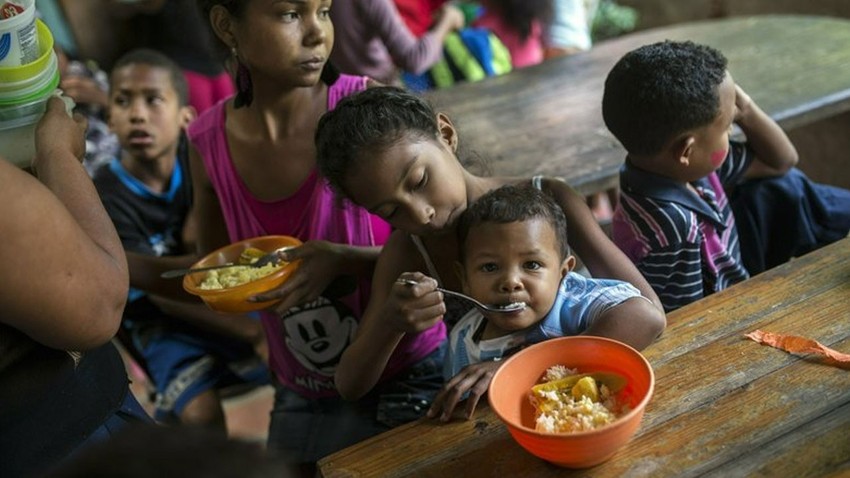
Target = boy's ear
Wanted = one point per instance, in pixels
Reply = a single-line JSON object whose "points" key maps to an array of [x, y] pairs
{"points": [[447, 130], [683, 149], [568, 265]]}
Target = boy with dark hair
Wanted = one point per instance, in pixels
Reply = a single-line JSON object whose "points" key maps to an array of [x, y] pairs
{"points": [[672, 106], [513, 243], [147, 193]]}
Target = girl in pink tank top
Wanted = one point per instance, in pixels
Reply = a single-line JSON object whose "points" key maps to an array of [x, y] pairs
{"points": [[253, 167]]}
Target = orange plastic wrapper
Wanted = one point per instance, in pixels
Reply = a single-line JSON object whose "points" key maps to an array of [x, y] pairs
{"points": [[801, 345]]}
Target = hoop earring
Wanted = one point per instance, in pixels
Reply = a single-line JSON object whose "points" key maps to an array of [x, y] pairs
{"points": [[244, 87]]}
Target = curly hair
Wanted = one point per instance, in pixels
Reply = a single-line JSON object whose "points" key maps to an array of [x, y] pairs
{"points": [[514, 204], [368, 122], [658, 91]]}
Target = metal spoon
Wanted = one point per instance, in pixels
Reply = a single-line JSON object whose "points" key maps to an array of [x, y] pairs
{"points": [[513, 307], [267, 258]]}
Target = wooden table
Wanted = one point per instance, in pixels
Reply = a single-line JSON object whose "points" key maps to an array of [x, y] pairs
{"points": [[723, 405], [547, 119]]}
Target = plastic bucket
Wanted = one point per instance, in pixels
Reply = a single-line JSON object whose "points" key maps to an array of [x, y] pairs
{"points": [[17, 128], [19, 42], [22, 84]]}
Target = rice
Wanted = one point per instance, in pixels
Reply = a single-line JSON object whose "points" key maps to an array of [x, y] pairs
{"points": [[573, 408], [237, 275]]}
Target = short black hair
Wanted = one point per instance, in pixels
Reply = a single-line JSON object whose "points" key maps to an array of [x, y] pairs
{"points": [[149, 57], [513, 204], [658, 91], [368, 122]]}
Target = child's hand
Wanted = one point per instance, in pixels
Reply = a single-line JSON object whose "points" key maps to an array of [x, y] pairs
{"points": [[474, 379], [450, 16], [414, 308], [742, 103], [84, 90], [320, 264]]}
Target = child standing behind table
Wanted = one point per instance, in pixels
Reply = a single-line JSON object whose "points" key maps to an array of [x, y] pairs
{"points": [[190, 351], [513, 249], [672, 106]]}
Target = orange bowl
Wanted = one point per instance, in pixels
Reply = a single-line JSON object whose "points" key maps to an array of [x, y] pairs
{"points": [[511, 385], [235, 299]]}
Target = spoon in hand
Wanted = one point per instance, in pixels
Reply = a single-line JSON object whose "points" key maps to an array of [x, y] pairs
{"points": [[508, 308]]}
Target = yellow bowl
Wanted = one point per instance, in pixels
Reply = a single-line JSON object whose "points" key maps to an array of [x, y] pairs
{"points": [[235, 299], [15, 74]]}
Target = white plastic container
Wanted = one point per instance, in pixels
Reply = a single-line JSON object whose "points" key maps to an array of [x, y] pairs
{"points": [[18, 36], [17, 129]]}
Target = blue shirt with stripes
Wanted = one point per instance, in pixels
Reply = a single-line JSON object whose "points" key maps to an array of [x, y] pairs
{"points": [[684, 243]]}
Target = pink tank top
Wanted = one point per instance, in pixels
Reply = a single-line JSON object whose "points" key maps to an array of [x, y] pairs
{"points": [[306, 343]]}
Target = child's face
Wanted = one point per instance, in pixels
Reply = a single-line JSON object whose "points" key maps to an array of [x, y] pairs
{"points": [[288, 42], [416, 184], [145, 112], [514, 262], [711, 142]]}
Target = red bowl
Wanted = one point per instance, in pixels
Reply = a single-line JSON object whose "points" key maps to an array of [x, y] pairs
{"points": [[235, 299], [511, 385]]}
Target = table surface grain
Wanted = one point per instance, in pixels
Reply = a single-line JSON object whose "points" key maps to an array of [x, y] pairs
{"points": [[547, 119]]}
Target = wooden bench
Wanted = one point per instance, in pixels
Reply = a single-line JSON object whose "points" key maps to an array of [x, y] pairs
{"points": [[547, 119]]}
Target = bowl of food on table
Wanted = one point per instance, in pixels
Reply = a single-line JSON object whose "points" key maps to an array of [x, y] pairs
{"points": [[228, 289], [573, 401]]}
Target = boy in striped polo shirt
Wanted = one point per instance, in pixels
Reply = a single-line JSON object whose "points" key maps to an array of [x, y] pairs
{"points": [[672, 106]]}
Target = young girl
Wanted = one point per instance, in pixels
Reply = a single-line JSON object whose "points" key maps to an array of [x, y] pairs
{"points": [[388, 151], [519, 24], [253, 168]]}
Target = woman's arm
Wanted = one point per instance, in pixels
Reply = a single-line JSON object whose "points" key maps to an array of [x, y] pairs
{"points": [[66, 277], [393, 311], [601, 256]]}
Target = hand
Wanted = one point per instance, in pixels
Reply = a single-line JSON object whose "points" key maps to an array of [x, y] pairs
{"points": [[321, 262], [57, 133], [743, 102], [474, 379], [450, 16], [84, 90], [414, 308]]}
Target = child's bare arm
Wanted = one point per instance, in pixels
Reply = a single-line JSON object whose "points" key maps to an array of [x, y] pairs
{"points": [[636, 322], [775, 154], [394, 310]]}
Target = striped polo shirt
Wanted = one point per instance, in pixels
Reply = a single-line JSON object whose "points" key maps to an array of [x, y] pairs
{"points": [[684, 244]]}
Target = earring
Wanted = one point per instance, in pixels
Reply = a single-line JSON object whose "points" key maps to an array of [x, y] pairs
{"points": [[244, 88]]}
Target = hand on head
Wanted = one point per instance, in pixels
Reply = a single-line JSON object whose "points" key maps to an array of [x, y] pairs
{"points": [[742, 102]]}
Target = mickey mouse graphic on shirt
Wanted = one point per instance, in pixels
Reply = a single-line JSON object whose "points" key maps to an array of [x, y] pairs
{"points": [[318, 332]]}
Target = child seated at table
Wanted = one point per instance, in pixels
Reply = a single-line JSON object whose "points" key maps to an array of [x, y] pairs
{"points": [[513, 249], [672, 106], [189, 351]]}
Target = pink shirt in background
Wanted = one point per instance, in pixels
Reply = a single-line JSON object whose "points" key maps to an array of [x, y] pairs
{"points": [[523, 53]]}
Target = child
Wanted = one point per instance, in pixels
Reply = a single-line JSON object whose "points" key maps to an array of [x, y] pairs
{"points": [[65, 297], [388, 151], [148, 195], [672, 106], [253, 168], [513, 248]]}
